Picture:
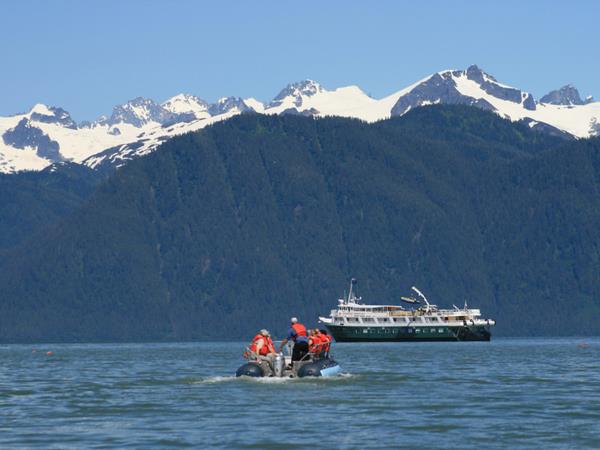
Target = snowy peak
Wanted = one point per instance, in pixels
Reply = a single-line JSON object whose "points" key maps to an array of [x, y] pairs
{"points": [[228, 105], [187, 104], [474, 73], [40, 108], [567, 95], [472, 87], [491, 86], [143, 111], [441, 87], [137, 112], [309, 98], [296, 92], [256, 105], [51, 114], [45, 134]]}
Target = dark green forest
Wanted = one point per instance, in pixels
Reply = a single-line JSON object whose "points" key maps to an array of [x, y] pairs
{"points": [[30, 202], [253, 220]]}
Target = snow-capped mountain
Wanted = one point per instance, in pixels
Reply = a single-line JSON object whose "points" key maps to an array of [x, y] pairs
{"points": [[187, 104], [227, 105], [143, 111], [296, 92], [567, 95], [471, 87], [45, 135], [475, 87], [58, 116]]}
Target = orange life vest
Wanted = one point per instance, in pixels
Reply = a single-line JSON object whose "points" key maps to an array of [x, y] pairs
{"points": [[264, 350], [315, 345], [299, 329]]}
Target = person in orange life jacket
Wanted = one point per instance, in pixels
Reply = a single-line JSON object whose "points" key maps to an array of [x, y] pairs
{"points": [[326, 340], [262, 347], [315, 342], [297, 334]]}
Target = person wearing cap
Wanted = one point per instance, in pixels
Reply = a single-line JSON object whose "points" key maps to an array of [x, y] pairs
{"points": [[297, 334], [262, 348], [262, 345]]}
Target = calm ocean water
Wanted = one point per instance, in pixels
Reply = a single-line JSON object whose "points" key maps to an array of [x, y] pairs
{"points": [[508, 393]]}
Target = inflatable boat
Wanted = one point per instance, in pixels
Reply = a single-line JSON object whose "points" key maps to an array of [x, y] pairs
{"points": [[281, 366]]}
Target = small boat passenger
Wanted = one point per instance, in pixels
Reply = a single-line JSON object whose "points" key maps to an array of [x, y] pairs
{"points": [[326, 341], [297, 334], [262, 347], [315, 342]]}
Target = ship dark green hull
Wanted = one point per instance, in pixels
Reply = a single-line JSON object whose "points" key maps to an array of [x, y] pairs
{"points": [[408, 334]]}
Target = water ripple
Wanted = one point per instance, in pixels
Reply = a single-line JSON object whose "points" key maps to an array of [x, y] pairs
{"points": [[510, 393]]}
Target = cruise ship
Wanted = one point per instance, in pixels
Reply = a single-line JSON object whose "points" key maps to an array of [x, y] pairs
{"points": [[354, 321]]}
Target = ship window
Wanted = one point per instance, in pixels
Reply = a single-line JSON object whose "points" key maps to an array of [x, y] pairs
{"points": [[434, 319], [440, 330], [417, 330]]}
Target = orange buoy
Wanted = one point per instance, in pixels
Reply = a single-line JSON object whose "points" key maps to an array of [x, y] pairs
{"points": [[49, 353]]}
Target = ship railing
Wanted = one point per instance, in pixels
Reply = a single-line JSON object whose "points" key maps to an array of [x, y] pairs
{"points": [[422, 321], [441, 318], [438, 312], [370, 314]]}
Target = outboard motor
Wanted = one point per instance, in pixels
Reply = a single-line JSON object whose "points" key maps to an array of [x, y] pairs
{"points": [[250, 370], [279, 365]]}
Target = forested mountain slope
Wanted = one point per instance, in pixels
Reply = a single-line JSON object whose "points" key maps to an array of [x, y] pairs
{"points": [[252, 220], [32, 202]]}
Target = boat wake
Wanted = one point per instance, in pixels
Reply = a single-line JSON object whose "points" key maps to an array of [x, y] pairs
{"points": [[216, 379]]}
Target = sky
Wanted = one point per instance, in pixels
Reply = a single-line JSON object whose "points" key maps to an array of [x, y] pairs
{"points": [[89, 56]]}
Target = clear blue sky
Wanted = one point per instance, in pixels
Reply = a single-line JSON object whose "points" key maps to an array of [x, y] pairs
{"points": [[88, 56]]}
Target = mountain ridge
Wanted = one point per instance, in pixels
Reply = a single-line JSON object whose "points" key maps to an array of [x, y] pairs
{"points": [[143, 123], [224, 231]]}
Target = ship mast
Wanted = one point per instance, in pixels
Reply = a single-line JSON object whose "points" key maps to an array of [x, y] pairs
{"points": [[351, 297]]}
